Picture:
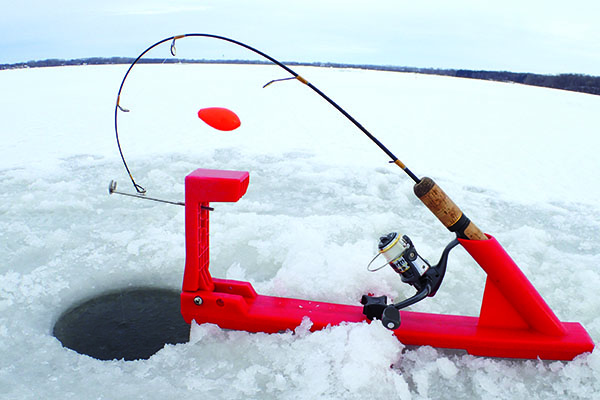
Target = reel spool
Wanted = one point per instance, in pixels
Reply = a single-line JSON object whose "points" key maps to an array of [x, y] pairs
{"points": [[401, 255]]}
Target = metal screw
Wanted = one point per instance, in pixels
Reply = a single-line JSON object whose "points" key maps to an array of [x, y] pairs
{"points": [[198, 300]]}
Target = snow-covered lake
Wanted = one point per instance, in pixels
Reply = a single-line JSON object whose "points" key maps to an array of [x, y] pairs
{"points": [[520, 161]]}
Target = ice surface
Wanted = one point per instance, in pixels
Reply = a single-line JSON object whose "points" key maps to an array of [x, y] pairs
{"points": [[520, 161]]}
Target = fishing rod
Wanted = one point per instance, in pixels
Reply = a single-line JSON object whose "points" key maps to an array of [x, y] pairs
{"points": [[425, 188]]}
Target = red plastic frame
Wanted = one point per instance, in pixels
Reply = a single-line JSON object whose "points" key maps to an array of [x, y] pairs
{"points": [[514, 320]]}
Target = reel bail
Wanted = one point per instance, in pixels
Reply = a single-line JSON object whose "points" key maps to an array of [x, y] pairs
{"points": [[400, 254]]}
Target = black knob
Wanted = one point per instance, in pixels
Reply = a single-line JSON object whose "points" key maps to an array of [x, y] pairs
{"points": [[391, 318], [373, 306]]}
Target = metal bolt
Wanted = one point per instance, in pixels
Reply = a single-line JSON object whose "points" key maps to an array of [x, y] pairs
{"points": [[198, 300]]}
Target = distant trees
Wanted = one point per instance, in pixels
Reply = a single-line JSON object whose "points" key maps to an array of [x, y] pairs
{"points": [[572, 82]]}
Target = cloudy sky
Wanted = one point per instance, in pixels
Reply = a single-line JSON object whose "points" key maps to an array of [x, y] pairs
{"points": [[527, 36]]}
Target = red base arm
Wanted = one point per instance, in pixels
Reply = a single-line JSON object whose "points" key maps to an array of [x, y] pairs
{"points": [[514, 321]]}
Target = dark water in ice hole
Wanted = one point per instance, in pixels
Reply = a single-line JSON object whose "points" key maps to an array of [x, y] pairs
{"points": [[129, 324]]}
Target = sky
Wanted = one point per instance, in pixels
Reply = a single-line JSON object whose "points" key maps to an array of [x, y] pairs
{"points": [[513, 35]]}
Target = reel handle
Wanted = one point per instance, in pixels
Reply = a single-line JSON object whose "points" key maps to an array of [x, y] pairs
{"points": [[446, 211]]}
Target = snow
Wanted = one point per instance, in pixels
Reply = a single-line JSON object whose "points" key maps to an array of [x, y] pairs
{"points": [[520, 161]]}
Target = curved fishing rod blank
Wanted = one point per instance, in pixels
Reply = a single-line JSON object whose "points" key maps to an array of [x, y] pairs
{"points": [[427, 191], [294, 74]]}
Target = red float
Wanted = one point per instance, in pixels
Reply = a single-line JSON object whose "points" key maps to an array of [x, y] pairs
{"points": [[219, 118], [514, 320]]}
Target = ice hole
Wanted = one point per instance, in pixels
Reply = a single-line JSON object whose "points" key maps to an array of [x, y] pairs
{"points": [[129, 324]]}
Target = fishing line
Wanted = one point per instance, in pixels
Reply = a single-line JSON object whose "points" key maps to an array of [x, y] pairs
{"points": [[294, 74]]}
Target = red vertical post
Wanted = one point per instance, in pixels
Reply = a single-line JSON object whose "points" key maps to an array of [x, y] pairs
{"points": [[201, 187]]}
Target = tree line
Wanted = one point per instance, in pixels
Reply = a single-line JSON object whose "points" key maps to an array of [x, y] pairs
{"points": [[572, 82]]}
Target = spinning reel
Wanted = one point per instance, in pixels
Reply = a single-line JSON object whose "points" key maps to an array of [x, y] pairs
{"points": [[400, 254]]}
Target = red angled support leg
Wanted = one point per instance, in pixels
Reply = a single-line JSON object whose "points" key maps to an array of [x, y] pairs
{"points": [[514, 320]]}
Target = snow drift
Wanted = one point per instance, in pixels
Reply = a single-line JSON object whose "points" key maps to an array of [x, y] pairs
{"points": [[520, 161]]}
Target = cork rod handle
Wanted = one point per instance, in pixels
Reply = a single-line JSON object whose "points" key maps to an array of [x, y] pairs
{"points": [[446, 211]]}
